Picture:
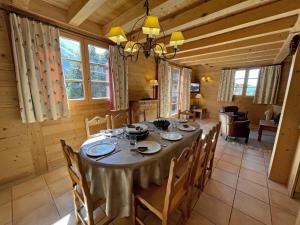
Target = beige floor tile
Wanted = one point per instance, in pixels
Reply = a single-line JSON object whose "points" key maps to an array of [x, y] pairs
{"points": [[56, 175], [235, 146], [5, 196], [254, 166], [220, 191], [68, 219], [60, 187], [239, 218], [5, 213], [284, 202], [43, 215], [224, 177], [252, 207], [253, 152], [28, 187], [255, 159], [234, 153], [197, 219], [231, 159], [213, 209], [175, 219], [24, 205], [278, 187], [253, 176], [64, 203], [228, 167], [253, 189], [280, 217], [122, 221]]}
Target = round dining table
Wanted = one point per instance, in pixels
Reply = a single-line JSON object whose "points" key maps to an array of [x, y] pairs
{"points": [[113, 177]]}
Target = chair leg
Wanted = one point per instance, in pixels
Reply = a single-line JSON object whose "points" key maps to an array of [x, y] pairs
{"points": [[76, 207]]}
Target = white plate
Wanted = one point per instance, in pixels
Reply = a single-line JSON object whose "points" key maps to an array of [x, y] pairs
{"points": [[114, 132], [189, 128], [153, 147], [182, 120], [171, 136], [134, 131], [100, 149]]}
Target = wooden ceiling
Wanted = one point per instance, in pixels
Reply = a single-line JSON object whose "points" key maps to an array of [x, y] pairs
{"points": [[218, 33]]}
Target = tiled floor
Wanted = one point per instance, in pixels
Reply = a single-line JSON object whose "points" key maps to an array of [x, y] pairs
{"points": [[239, 193]]}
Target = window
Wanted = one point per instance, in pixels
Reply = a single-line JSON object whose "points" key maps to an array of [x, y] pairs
{"points": [[72, 67], [175, 78], [245, 82], [98, 59], [85, 67]]}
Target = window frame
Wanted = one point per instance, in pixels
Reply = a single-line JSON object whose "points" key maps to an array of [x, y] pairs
{"points": [[171, 69], [245, 85], [86, 76]]}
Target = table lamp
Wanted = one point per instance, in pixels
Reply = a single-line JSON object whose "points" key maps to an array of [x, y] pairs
{"points": [[153, 83], [198, 96]]}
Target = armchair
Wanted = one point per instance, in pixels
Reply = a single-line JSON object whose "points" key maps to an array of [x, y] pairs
{"points": [[234, 128], [234, 111]]}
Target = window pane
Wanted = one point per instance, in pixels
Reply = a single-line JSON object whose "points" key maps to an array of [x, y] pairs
{"points": [[239, 80], [174, 109], [100, 90], [74, 90], [70, 49], [72, 70], [98, 55], [237, 91], [254, 73], [250, 91], [240, 74], [174, 98], [99, 72], [175, 74]]}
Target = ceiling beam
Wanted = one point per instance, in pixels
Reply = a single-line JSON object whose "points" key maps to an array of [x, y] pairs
{"points": [[21, 3], [80, 10], [285, 50], [239, 45], [273, 27], [238, 63], [266, 13]]}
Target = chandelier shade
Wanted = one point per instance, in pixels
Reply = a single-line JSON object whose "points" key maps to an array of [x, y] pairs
{"points": [[177, 39], [160, 49], [151, 26], [117, 35], [131, 47]]}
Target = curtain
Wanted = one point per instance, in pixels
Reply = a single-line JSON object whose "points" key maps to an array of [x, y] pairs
{"points": [[119, 80], [164, 88], [226, 85], [40, 80], [185, 89], [268, 84]]}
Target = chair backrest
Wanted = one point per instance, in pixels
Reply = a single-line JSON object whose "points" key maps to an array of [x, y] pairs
{"points": [[187, 114], [119, 118], [76, 173], [229, 109], [198, 164], [216, 132], [140, 115], [97, 121], [178, 186]]}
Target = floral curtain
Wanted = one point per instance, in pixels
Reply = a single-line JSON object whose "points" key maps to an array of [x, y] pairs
{"points": [[40, 80], [119, 79], [226, 85], [185, 89], [268, 84], [164, 88]]}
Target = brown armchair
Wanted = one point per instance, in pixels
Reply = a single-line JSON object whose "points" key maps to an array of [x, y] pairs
{"points": [[234, 128], [234, 111]]}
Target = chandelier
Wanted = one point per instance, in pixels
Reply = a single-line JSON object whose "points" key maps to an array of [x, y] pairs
{"points": [[151, 28]]}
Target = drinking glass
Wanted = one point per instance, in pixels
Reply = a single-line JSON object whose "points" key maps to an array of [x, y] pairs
{"points": [[132, 140]]}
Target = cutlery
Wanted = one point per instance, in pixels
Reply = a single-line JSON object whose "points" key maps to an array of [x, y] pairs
{"points": [[104, 156]]}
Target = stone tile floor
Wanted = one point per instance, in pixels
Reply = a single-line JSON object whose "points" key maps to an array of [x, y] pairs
{"points": [[239, 193]]}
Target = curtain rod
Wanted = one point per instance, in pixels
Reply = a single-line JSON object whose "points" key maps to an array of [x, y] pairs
{"points": [[245, 67], [61, 25]]}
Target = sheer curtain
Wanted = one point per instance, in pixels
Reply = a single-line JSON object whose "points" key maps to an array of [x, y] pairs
{"points": [[185, 89], [268, 84], [164, 88], [40, 80], [226, 85], [118, 79]]}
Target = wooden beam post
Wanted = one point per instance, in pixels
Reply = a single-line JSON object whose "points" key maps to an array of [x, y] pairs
{"points": [[288, 129]]}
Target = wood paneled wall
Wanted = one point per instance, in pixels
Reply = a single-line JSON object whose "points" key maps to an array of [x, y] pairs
{"points": [[209, 91], [30, 149]]}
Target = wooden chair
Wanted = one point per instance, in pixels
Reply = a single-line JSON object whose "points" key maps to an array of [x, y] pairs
{"points": [[164, 199], [81, 194], [187, 114], [103, 122], [119, 118], [139, 115]]}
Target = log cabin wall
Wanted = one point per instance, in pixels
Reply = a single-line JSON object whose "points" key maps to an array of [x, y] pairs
{"points": [[27, 150], [209, 91]]}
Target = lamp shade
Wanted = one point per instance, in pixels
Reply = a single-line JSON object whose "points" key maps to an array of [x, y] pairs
{"points": [[154, 82], [198, 96], [131, 47], [117, 35], [151, 26], [160, 49], [176, 39]]}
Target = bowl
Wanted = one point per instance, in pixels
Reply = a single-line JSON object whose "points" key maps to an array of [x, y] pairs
{"points": [[162, 124]]}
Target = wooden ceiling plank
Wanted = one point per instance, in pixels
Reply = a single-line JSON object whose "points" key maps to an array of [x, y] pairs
{"points": [[253, 42], [21, 3], [285, 50], [252, 17], [238, 63], [80, 10], [260, 30]]}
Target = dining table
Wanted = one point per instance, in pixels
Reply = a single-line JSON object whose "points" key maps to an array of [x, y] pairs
{"points": [[114, 177]]}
